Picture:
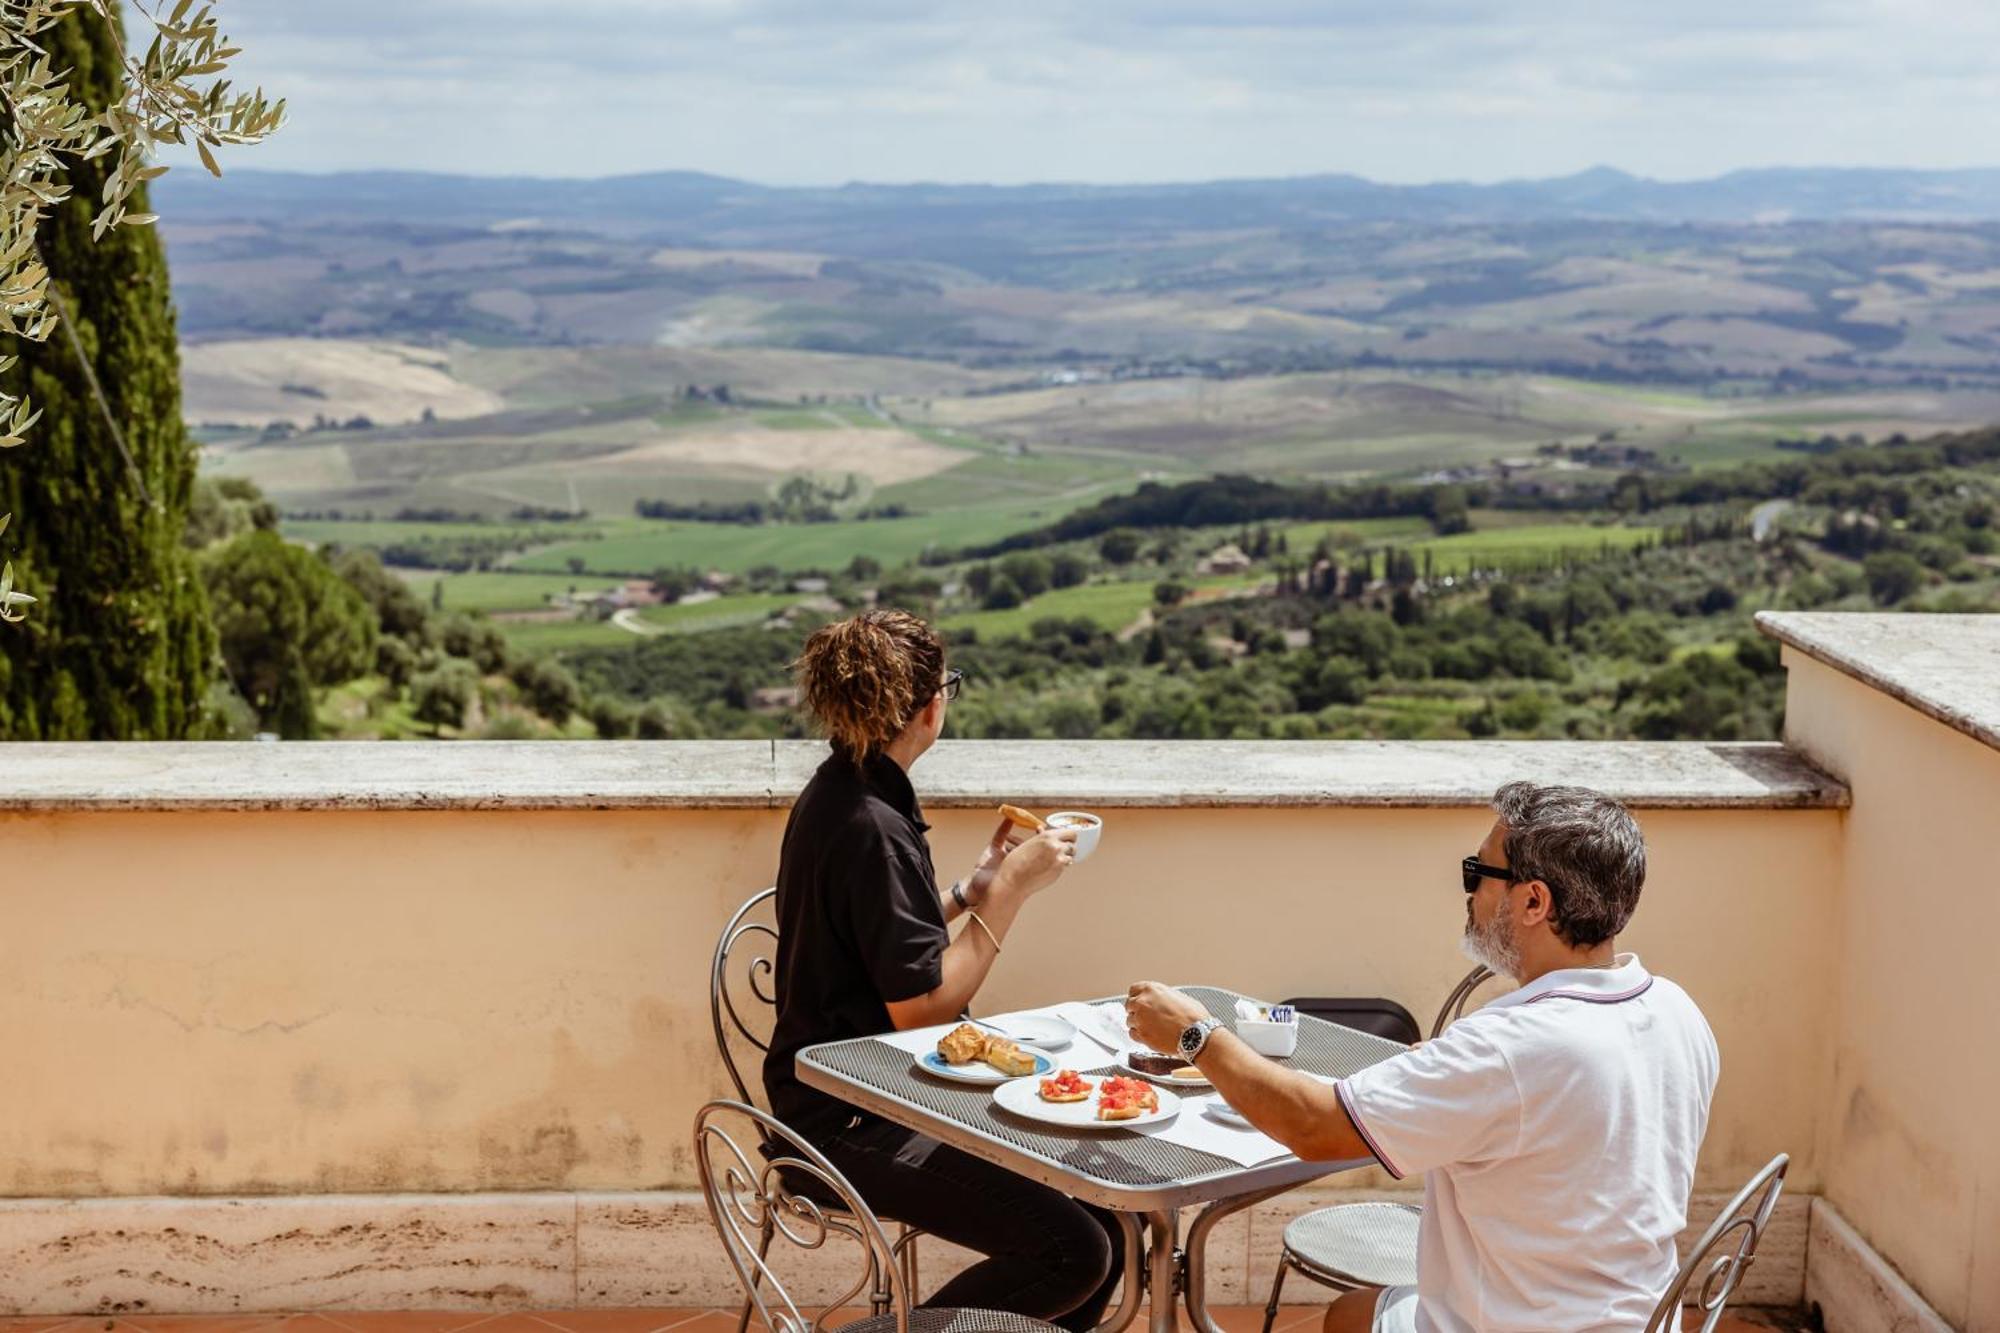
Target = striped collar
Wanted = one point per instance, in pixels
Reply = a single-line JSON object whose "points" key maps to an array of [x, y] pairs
{"points": [[1625, 980]]}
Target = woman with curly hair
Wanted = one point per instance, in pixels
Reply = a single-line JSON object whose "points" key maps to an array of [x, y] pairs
{"points": [[863, 949]]}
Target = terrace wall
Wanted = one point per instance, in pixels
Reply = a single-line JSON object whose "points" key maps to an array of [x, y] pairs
{"points": [[1909, 1152], [246, 1001]]}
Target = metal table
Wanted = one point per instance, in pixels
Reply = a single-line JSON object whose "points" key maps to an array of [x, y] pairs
{"points": [[1143, 1179]]}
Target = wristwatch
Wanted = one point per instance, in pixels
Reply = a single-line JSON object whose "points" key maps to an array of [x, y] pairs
{"points": [[1195, 1037]]}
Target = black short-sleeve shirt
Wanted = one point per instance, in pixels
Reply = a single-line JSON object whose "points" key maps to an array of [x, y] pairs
{"points": [[859, 923]]}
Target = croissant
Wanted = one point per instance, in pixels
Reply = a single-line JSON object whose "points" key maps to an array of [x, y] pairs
{"points": [[962, 1045]]}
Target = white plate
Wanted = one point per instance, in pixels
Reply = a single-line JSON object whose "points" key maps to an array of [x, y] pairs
{"points": [[979, 1071], [1125, 1063], [1227, 1114], [1023, 1096], [1043, 1030]]}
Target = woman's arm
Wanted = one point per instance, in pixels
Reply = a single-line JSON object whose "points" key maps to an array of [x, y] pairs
{"points": [[965, 962], [974, 887]]}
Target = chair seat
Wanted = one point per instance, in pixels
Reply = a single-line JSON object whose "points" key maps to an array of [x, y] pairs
{"points": [[1370, 1244], [928, 1320]]}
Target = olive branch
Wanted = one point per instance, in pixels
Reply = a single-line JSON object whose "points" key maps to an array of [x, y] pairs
{"points": [[173, 95]]}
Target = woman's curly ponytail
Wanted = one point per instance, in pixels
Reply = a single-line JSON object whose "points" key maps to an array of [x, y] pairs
{"points": [[865, 678]]}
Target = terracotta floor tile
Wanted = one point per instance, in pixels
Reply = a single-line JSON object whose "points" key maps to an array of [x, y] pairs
{"points": [[1298, 1316], [40, 1323], [615, 1321], [410, 1321], [715, 1321], [191, 1323], [1246, 1318], [517, 1321], [313, 1322]]}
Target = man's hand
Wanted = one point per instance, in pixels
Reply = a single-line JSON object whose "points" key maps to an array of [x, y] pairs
{"points": [[1294, 1108], [1005, 839], [1156, 1015]]}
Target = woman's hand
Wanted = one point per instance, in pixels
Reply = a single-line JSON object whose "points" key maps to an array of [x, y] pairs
{"points": [[1038, 862], [1005, 839]]}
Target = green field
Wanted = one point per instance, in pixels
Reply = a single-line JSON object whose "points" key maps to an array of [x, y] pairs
{"points": [[493, 591], [554, 636], [1112, 606], [985, 478], [748, 608], [1300, 538], [512, 592], [1527, 545], [639, 547]]}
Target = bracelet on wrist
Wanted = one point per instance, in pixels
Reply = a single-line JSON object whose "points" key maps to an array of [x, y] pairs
{"points": [[991, 938], [958, 895]]}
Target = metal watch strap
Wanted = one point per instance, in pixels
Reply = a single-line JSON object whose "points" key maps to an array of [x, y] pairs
{"points": [[1206, 1027]]}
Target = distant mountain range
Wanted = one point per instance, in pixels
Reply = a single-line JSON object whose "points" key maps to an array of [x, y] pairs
{"points": [[717, 209], [1821, 275]]}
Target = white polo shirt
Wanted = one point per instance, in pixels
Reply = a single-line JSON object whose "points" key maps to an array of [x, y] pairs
{"points": [[1557, 1129]]}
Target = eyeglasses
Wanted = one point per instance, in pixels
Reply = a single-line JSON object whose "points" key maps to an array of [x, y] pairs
{"points": [[1475, 871], [953, 680]]}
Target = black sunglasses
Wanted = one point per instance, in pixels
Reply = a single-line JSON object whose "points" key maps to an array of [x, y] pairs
{"points": [[953, 680], [1474, 871]]}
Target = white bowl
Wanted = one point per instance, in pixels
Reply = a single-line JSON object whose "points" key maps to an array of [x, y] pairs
{"points": [[1088, 829], [1267, 1038]]}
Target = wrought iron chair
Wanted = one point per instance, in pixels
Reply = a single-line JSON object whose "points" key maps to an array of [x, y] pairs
{"points": [[744, 1001], [774, 1191], [1354, 1245], [1744, 1219]]}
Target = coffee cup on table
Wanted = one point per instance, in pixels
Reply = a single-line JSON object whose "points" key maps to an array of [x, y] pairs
{"points": [[1088, 829]]}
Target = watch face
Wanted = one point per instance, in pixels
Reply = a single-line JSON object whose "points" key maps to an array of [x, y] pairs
{"points": [[1190, 1040]]}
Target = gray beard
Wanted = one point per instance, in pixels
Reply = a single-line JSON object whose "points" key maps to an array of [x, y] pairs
{"points": [[1492, 947]]}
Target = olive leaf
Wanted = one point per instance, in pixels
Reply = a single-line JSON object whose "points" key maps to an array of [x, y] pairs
{"points": [[165, 102]]}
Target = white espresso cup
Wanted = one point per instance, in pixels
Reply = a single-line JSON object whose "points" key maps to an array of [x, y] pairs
{"points": [[1088, 829]]}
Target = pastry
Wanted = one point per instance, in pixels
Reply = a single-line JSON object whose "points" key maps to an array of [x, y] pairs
{"points": [[1007, 1057], [1024, 818], [1066, 1086], [962, 1045]]}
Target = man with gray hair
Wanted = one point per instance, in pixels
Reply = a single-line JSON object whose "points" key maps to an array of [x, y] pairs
{"points": [[1556, 1128]]}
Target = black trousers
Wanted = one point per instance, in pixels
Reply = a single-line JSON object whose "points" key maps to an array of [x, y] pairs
{"points": [[1048, 1256]]}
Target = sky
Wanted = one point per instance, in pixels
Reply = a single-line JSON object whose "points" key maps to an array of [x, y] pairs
{"points": [[1007, 91]]}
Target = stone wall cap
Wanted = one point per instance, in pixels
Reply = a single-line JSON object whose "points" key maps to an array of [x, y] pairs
{"points": [[1945, 666], [609, 775]]}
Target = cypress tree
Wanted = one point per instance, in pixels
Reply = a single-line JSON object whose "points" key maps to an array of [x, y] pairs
{"points": [[119, 646]]}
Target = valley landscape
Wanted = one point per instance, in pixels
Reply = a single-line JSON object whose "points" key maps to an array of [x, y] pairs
{"points": [[605, 415]]}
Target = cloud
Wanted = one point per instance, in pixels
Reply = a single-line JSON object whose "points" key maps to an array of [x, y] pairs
{"points": [[830, 90]]}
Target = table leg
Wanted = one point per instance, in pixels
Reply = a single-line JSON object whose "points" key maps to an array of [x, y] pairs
{"points": [[1163, 1271], [1135, 1277], [1197, 1252]]}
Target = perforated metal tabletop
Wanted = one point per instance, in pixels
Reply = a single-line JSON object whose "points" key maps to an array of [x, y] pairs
{"points": [[1114, 1169]]}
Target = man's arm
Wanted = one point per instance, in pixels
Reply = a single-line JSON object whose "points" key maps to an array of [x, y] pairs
{"points": [[1298, 1111]]}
